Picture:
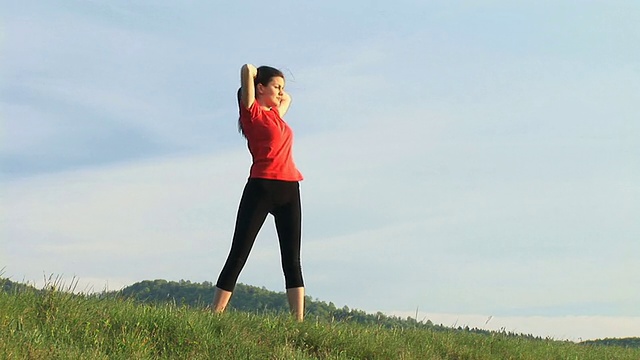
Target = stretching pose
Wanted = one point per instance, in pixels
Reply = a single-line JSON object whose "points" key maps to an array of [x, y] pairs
{"points": [[272, 187]]}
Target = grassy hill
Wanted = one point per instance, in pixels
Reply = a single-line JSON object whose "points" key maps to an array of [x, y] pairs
{"points": [[249, 298], [54, 324]]}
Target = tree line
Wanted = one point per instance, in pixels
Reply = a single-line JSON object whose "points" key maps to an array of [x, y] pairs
{"points": [[249, 298]]}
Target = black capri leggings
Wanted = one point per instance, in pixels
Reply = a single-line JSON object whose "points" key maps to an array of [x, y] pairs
{"points": [[259, 198]]}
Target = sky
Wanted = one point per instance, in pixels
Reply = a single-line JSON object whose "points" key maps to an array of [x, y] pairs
{"points": [[469, 162]]}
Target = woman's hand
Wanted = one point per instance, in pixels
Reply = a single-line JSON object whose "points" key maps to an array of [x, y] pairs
{"points": [[253, 71], [285, 101]]}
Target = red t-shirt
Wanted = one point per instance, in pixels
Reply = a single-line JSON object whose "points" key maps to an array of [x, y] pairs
{"points": [[270, 142]]}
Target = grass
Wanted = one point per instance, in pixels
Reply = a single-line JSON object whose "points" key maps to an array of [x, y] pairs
{"points": [[56, 324]]}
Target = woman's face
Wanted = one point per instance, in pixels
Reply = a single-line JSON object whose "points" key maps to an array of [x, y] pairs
{"points": [[271, 94]]}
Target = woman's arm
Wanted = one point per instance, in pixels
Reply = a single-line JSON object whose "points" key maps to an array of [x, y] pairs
{"points": [[284, 104], [248, 74]]}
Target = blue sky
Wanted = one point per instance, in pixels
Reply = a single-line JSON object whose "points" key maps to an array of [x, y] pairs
{"points": [[466, 159]]}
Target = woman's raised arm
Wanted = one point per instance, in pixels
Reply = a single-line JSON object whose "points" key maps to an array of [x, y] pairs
{"points": [[284, 103], [248, 74]]}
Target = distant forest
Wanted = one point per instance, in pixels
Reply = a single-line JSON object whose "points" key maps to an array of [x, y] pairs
{"points": [[632, 342], [247, 298]]}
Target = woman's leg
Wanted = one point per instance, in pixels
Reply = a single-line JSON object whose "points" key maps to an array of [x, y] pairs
{"points": [[295, 296], [220, 300], [288, 218], [252, 211]]}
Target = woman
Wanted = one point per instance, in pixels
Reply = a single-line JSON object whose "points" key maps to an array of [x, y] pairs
{"points": [[272, 186]]}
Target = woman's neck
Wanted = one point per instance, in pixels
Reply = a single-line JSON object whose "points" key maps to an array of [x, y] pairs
{"points": [[260, 102]]}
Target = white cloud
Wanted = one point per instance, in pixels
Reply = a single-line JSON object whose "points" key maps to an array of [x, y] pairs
{"points": [[452, 243], [132, 213]]}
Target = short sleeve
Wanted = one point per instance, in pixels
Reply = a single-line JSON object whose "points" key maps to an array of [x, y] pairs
{"points": [[251, 113]]}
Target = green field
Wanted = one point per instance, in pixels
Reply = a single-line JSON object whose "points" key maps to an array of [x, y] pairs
{"points": [[55, 324]]}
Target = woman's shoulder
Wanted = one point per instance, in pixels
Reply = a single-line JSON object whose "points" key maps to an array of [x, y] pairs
{"points": [[253, 111]]}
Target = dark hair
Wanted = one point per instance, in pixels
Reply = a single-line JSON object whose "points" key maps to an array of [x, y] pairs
{"points": [[266, 73], [264, 76]]}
